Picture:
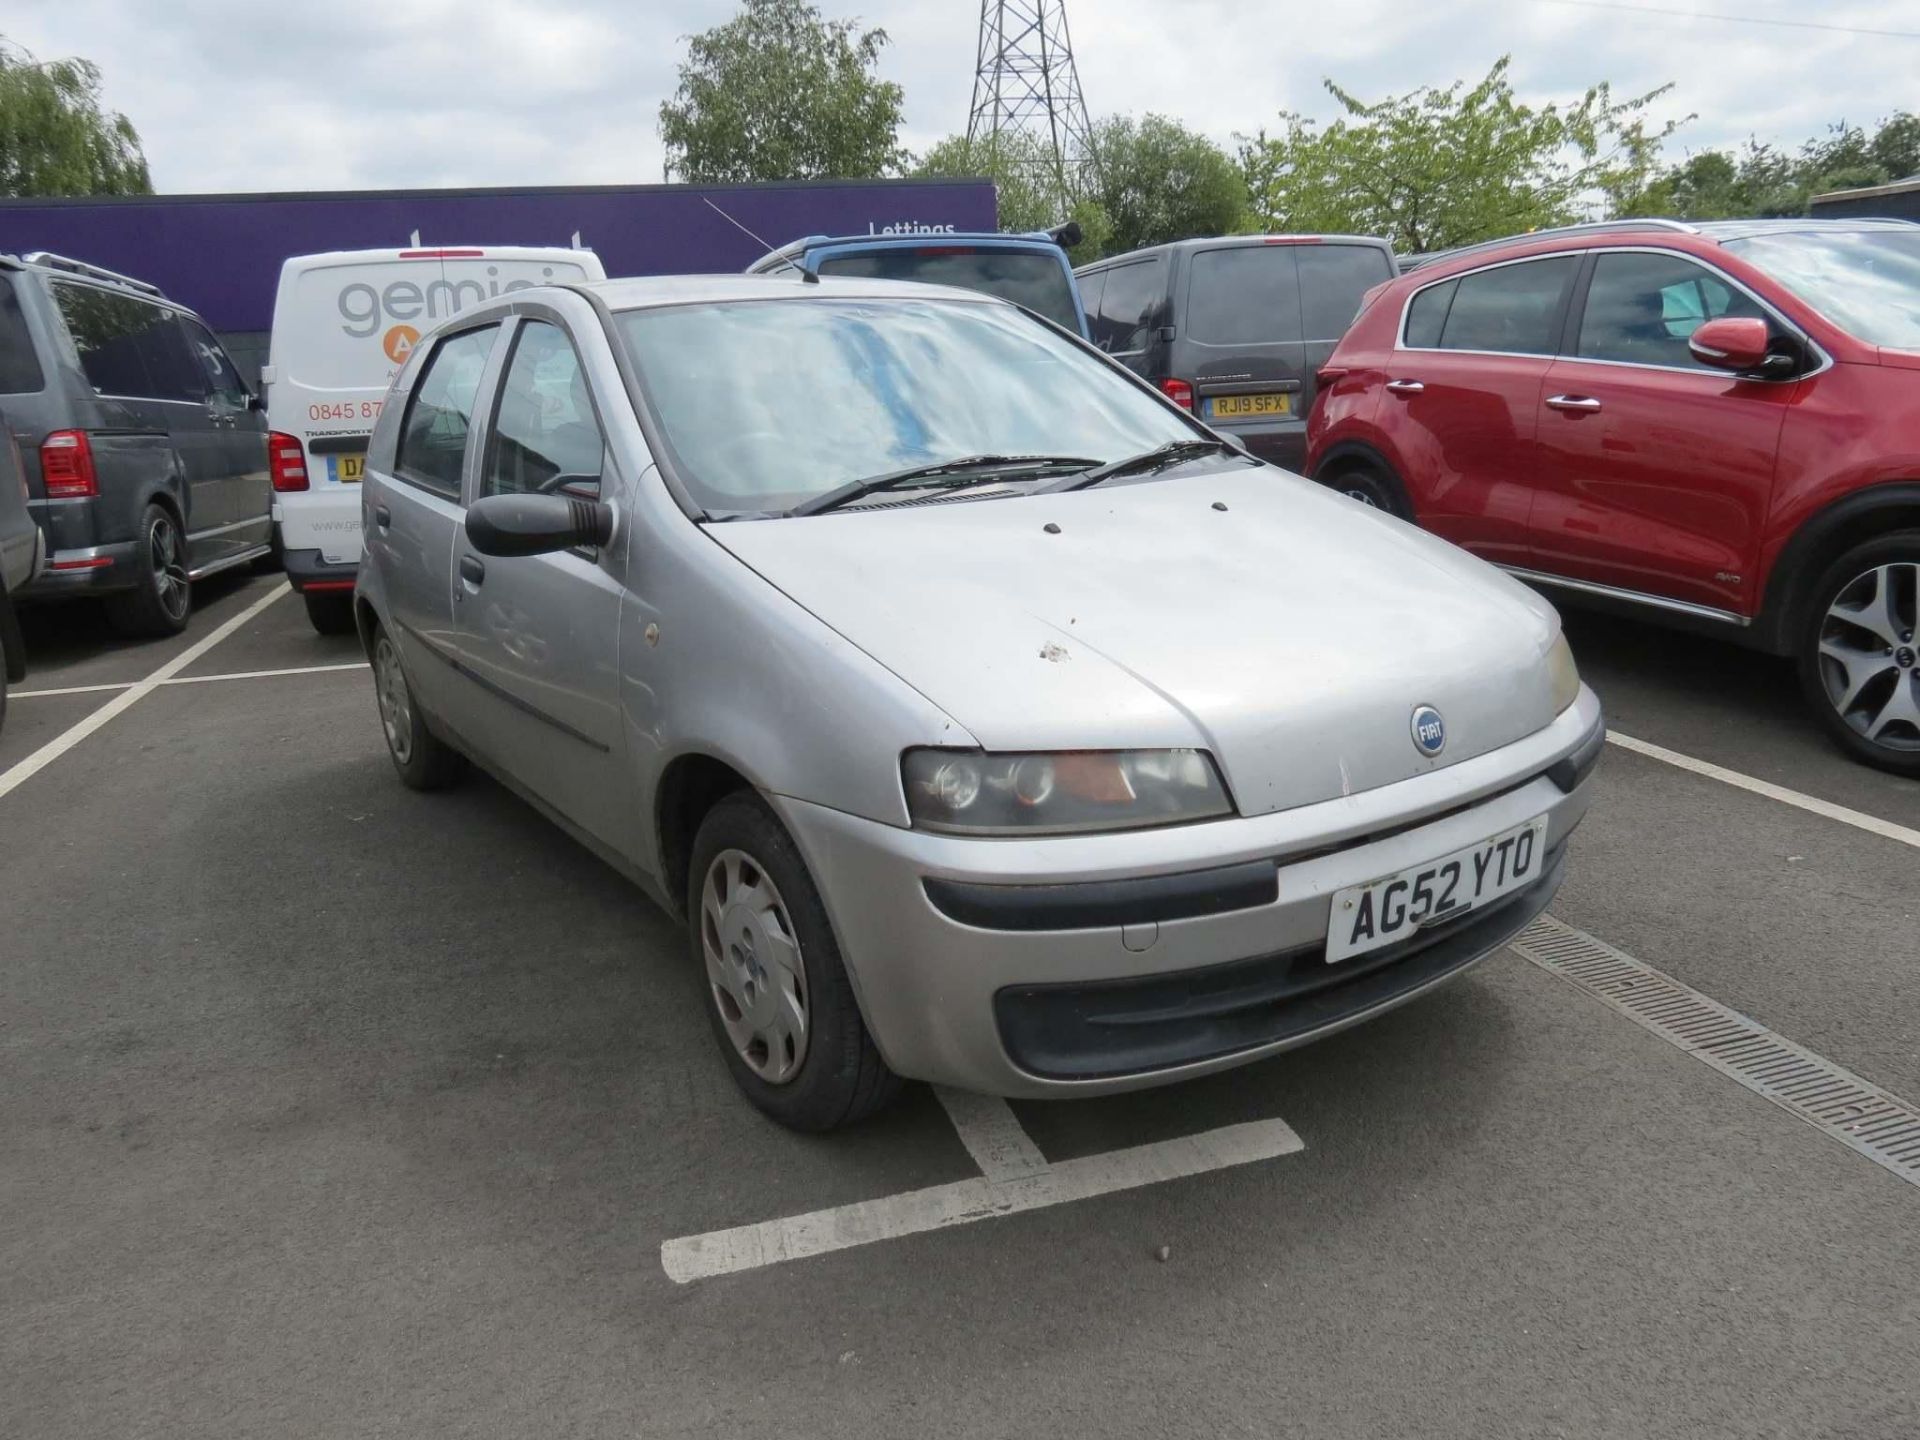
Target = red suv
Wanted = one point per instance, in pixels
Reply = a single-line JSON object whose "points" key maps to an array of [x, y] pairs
{"points": [[1715, 425]]}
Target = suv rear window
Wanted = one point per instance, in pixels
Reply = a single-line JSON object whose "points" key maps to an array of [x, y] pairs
{"points": [[1510, 309], [1247, 295], [19, 366], [128, 347], [1034, 278]]}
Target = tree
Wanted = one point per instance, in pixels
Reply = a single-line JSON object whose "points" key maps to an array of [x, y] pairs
{"points": [[1762, 180], [55, 136], [1026, 198], [779, 93], [1156, 180], [1436, 168]]}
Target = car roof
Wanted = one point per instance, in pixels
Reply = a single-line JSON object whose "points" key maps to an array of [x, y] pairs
{"points": [[1600, 232], [647, 291], [1215, 242]]}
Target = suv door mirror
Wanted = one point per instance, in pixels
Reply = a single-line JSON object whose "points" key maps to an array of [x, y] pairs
{"points": [[537, 524], [1732, 342]]}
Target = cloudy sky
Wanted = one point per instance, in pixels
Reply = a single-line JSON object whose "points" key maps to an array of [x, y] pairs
{"points": [[406, 93]]}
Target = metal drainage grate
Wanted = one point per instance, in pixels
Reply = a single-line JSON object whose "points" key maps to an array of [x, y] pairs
{"points": [[1880, 1126]]}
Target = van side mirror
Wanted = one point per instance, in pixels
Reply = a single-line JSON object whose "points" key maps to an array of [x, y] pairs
{"points": [[1737, 343], [537, 524]]}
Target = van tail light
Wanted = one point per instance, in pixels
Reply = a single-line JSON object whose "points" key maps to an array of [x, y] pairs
{"points": [[66, 465], [441, 254], [286, 461], [1178, 391]]}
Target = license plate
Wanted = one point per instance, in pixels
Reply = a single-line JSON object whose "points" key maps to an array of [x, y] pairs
{"points": [[1248, 407], [346, 469], [1394, 907]]}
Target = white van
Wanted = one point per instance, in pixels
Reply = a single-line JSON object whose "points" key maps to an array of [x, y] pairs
{"points": [[343, 325]]}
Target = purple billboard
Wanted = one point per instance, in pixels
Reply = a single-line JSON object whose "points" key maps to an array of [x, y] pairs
{"points": [[221, 254]]}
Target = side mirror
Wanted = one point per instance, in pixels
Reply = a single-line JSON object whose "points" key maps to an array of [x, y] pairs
{"points": [[537, 524], [1731, 343]]}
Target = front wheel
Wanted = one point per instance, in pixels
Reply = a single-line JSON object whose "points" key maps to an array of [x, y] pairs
{"points": [[1858, 657], [162, 596], [778, 996]]}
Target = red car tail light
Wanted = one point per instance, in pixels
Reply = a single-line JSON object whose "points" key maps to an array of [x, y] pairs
{"points": [[1178, 391], [286, 461], [66, 465]]}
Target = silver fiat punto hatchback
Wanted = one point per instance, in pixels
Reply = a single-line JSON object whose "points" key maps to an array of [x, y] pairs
{"points": [[988, 719]]}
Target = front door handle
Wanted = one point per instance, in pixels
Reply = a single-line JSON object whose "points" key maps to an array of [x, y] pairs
{"points": [[471, 570], [1405, 387], [1584, 404]]}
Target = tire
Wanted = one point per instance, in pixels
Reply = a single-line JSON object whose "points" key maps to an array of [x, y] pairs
{"points": [[161, 600], [1858, 649], [331, 611], [1371, 485], [421, 759], [778, 997]]}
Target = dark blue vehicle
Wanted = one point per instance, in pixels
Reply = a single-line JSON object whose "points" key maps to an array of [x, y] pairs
{"points": [[1029, 269]]}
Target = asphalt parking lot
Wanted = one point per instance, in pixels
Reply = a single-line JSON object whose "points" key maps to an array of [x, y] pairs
{"points": [[335, 1109]]}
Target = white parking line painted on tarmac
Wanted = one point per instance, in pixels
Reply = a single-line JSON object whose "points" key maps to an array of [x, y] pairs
{"points": [[264, 674], [132, 695], [1872, 824], [820, 1232], [73, 690], [992, 1135], [192, 679]]}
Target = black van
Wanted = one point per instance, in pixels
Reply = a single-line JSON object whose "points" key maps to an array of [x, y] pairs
{"points": [[1233, 328], [146, 453]]}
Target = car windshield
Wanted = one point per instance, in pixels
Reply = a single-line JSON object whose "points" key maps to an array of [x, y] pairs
{"points": [[1865, 281], [1037, 279], [766, 403]]}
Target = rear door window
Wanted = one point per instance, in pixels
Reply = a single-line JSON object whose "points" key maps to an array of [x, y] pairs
{"points": [[433, 439], [1127, 303], [1037, 279], [1510, 309], [1333, 278], [128, 347], [20, 371], [1247, 295]]}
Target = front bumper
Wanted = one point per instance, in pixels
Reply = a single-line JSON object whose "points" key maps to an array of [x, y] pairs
{"points": [[996, 1009]]}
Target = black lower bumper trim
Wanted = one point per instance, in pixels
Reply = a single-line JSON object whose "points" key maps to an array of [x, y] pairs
{"points": [[1571, 769], [303, 567], [1127, 1027], [1102, 904]]}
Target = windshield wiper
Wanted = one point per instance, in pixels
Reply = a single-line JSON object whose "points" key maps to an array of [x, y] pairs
{"points": [[965, 471], [1170, 453]]}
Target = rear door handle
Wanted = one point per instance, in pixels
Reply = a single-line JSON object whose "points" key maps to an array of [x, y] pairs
{"points": [[471, 570], [1405, 387], [382, 516], [1585, 404]]}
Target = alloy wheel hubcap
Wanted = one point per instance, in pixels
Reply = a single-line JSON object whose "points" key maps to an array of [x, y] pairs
{"points": [[396, 705], [1364, 496], [1869, 664], [754, 966], [169, 567]]}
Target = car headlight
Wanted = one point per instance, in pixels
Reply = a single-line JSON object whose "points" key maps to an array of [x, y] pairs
{"points": [[1062, 792], [1563, 673]]}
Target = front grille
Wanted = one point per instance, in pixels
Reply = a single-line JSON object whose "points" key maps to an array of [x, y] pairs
{"points": [[1104, 1029]]}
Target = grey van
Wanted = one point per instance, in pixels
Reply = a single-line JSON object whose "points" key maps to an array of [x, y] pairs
{"points": [[1233, 328], [146, 453]]}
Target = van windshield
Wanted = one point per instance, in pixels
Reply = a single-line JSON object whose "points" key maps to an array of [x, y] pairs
{"points": [[1038, 279], [765, 404]]}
